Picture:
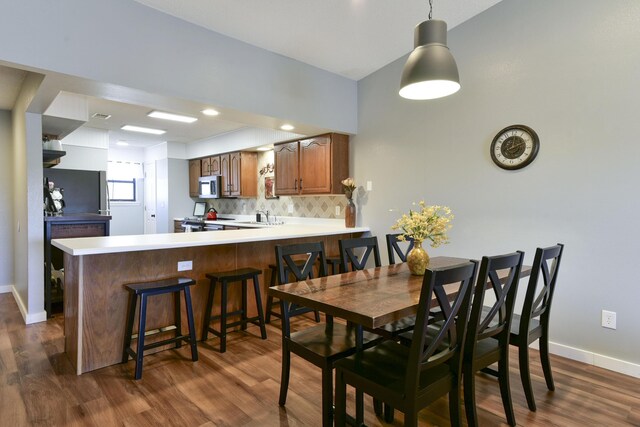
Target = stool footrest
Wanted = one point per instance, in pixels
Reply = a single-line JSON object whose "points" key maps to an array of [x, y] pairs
{"points": [[185, 338]]}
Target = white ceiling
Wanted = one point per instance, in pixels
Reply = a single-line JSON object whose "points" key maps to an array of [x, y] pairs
{"points": [[352, 38]]}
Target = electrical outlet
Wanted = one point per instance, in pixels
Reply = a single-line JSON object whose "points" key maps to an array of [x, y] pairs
{"points": [[290, 208], [185, 265], [369, 186], [609, 319], [337, 210]]}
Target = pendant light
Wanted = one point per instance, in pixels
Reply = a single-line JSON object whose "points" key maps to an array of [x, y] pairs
{"points": [[430, 71]]}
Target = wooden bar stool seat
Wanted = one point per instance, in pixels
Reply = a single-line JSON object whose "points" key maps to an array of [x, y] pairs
{"points": [[144, 290], [226, 277]]}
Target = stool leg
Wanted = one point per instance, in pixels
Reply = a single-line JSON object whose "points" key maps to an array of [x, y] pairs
{"points": [[207, 312], [133, 301], [256, 289], [243, 316], [141, 328], [178, 317], [223, 318], [192, 326]]}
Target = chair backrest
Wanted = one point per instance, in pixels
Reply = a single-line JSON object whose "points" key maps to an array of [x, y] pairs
{"points": [[393, 248], [493, 321], [445, 340], [349, 257], [537, 302], [287, 264]]}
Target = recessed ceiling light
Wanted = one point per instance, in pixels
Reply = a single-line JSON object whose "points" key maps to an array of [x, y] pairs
{"points": [[210, 112], [122, 143], [143, 130], [170, 116], [287, 127]]}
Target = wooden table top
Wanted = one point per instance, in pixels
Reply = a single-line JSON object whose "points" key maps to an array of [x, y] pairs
{"points": [[373, 297]]}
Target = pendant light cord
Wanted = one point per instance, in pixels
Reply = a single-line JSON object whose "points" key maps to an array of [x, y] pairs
{"points": [[430, 9]]}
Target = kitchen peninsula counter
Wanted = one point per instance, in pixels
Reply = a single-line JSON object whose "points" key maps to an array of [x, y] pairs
{"points": [[97, 268]]}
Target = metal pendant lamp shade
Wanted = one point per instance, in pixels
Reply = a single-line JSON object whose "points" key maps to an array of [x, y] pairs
{"points": [[430, 71]]}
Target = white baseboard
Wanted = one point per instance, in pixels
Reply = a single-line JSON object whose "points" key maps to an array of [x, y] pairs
{"points": [[584, 356], [28, 318], [5, 289]]}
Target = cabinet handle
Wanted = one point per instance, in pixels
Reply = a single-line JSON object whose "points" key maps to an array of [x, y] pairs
{"points": [[300, 184], [295, 184]]}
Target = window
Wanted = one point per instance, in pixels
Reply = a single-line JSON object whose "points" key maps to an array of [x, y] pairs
{"points": [[122, 190], [121, 181]]}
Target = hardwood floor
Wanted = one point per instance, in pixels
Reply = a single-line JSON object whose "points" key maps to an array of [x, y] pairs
{"points": [[240, 388]]}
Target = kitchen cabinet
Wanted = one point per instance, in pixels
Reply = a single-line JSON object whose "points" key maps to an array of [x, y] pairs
{"points": [[314, 165], [205, 167], [239, 173], [210, 166], [194, 175]]}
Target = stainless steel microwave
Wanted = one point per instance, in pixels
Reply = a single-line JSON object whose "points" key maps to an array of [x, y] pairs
{"points": [[210, 187]]}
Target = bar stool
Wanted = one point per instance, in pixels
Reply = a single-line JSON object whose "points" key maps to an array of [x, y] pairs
{"points": [[226, 277], [270, 300], [147, 289]]}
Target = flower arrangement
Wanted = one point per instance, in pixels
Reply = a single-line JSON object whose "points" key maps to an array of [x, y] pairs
{"points": [[348, 185], [428, 222]]}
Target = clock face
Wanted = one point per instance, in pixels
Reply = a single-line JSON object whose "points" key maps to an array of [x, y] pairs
{"points": [[514, 147]]}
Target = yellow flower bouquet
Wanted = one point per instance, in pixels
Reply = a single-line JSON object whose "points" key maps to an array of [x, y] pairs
{"points": [[426, 223]]}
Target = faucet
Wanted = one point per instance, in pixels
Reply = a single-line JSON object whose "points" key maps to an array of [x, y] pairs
{"points": [[266, 213]]}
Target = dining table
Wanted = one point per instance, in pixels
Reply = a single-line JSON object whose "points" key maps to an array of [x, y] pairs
{"points": [[372, 297]]}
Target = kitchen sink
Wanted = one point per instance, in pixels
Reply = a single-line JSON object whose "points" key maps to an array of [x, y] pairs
{"points": [[261, 222]]}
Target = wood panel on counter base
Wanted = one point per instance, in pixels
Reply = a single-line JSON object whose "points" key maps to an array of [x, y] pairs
{"points": [[38, 386], [97, 302]]}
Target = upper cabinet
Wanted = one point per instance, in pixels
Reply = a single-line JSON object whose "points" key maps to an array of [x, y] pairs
{"points": [[239, 174], [314, 165], [194, 174], [210, 166]]}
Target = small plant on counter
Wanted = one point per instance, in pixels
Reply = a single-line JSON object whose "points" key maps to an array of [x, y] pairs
{"points": [[348, 185]]}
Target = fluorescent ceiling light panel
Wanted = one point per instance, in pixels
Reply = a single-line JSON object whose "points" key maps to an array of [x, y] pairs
{"points": [[210, 112], [143, 130], [287, 127], [170, 116]]}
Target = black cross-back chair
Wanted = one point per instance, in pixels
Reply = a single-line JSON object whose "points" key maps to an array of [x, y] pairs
{"points": [[411, 378], [349, 248], [322, 344], [487, 339], [533, 324], [394, 248]]}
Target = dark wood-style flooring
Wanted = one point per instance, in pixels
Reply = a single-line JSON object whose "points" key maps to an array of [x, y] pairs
{"points": [[240, 388]]}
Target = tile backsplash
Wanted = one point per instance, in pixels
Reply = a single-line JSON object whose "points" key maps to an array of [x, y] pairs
{"points": [[303, 206]]}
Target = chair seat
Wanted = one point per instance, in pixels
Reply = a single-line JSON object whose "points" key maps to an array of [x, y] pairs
{"points": [[515, 324], [331, 341], [172, 284], [385, 365], [235, 275]]}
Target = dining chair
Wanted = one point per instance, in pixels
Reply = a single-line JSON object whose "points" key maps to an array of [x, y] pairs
{"points": [[411, 378], [322, 344], [350, 260], [394, 248], [487, 340], [533, 323]]}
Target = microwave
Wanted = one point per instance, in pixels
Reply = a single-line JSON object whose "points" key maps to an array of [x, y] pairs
{"points": [[210, 187]]}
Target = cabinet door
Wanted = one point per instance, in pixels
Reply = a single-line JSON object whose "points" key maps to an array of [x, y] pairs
{"points": [[286, 168], [248, 174], [224, 172], [214, 163], [194, 174], [234, 174], [205, 166], [315, 165]]}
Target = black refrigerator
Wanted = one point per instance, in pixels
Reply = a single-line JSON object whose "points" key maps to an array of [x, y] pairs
{"points": [[84, 191]]}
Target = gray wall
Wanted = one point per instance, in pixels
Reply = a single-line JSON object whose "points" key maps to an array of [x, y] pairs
{"points": [[6, 203], [568, 69]]}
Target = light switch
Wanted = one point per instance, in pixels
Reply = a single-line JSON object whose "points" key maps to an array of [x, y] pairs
{"points": [[369, 185], [337, 210], [290, 208]]}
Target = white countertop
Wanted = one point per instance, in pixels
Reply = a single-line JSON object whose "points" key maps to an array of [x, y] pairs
{"points": [[145, 242]]}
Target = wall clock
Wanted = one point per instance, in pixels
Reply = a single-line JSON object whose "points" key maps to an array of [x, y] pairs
{"points": [[514, 147]]}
